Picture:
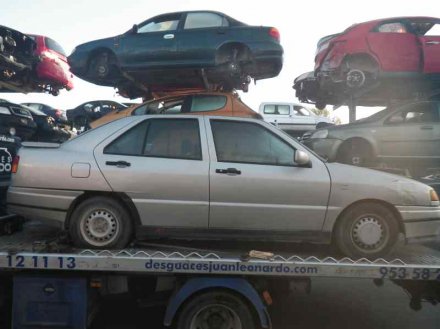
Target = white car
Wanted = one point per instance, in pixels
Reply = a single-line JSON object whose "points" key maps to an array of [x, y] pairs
{"points": [[295, 119]]}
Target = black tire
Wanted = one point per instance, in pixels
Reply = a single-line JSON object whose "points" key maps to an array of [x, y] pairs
{"points": [[217, 308], [102, 65], [95, 215], [356, 152], [367, 230]]}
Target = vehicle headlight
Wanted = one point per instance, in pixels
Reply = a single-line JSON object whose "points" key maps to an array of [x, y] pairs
{"points": [[12, 131], [322, 133]]}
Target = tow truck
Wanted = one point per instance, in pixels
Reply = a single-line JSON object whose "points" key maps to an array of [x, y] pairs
{"points": [[45, 282]]}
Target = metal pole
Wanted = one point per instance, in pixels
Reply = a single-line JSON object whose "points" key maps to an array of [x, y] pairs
{"points": [[352, 110]]}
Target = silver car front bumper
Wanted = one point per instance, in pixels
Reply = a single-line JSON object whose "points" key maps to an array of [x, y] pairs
{"points": [[420, 223]]}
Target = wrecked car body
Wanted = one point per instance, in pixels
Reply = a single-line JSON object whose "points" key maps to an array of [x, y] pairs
{"points": [[16, 57], [181, 50], [401, 55]]}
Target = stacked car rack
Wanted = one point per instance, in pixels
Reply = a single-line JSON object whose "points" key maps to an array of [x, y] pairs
{"points": [[44, 282]]}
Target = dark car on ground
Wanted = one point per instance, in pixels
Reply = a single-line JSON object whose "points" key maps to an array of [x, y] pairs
{"points": [[15, 120], [181, 50], [53, 70], [406, 49], [58, 115], [47, 129], [87, 112], [407, 134]]}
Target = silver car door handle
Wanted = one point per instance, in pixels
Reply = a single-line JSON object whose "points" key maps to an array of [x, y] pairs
{"points": [[228, 171], [426, 127], [168, 36], [119, 164], [432, 42]]}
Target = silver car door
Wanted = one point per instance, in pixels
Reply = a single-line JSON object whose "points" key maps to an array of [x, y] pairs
{"points": [[410, 132], [162, 165], [254, 183]]}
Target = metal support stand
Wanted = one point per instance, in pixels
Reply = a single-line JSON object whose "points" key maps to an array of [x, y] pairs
{"points": [[352, 110]]}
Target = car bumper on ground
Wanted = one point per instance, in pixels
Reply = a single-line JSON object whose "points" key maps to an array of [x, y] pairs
{"points": [[325, 147], [420, 223]]}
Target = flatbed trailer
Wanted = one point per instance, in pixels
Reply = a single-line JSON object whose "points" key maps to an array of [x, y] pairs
{"points": [[39, 248], [194, 275]]}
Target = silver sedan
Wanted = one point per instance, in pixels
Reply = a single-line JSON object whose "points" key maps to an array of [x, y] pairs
{"points": [[214, 177]]}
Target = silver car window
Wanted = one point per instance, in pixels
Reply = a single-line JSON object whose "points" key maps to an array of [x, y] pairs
{"points": [[169, 106], [270, 109], [129, 143], [248, 142], [203, 103], [167, 23], [173, 138], [162, 138], [283, 109], [394, 27], [426, 112], [204, 20]]}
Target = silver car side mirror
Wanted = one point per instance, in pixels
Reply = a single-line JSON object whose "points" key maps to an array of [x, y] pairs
{"points": [[302, 159]]}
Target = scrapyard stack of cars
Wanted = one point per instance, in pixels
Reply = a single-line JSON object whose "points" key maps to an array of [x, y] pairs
{"points": [[210, 170]]}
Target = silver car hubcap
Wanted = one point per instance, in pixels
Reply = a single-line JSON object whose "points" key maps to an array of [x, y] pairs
{"points": [[216, 317], [100, 227], [369, 233]]}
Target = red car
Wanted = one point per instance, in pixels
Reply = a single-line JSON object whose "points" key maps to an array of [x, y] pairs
{"points": [[403, 48], [53, 69]]}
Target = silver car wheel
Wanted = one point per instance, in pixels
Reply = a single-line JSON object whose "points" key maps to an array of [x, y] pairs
{"points": [[100, 227], [369, 233], [216, 316]]}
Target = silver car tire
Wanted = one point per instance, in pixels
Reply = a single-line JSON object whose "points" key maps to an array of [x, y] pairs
{"points": [[216, 309], [367, 230], [100, 223]]}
